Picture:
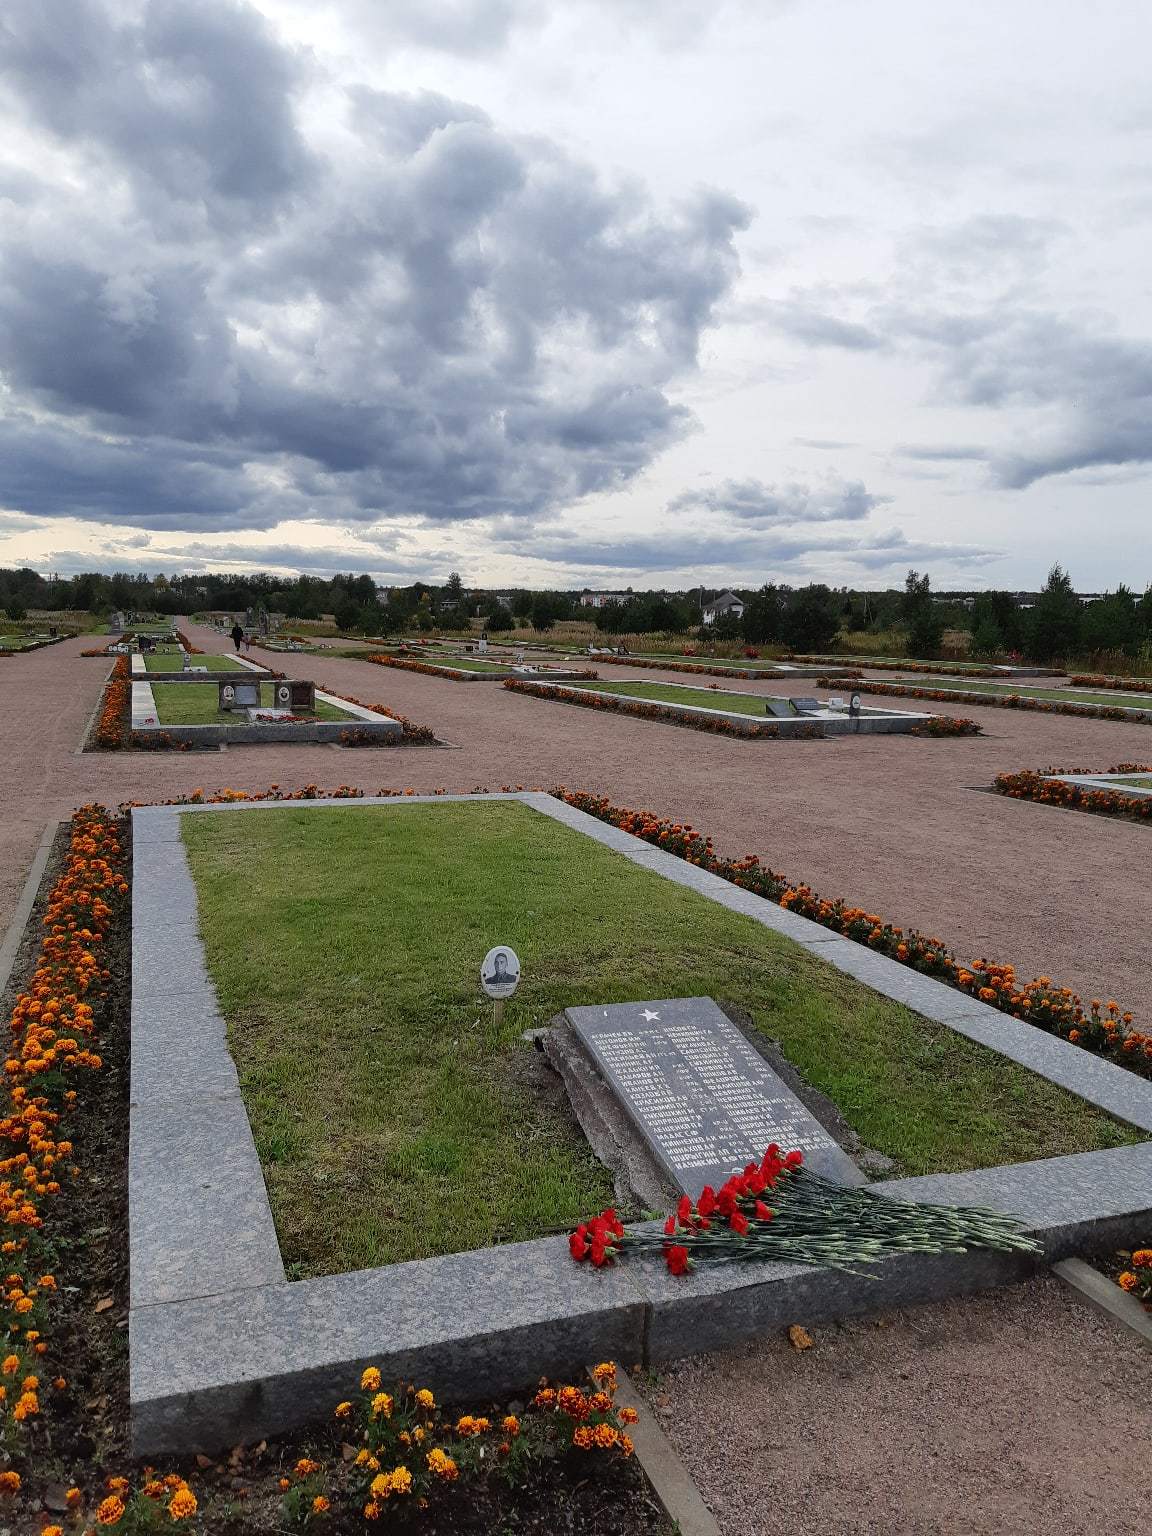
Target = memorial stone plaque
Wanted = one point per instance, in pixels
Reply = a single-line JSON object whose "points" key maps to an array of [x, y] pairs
{"points": [[294, 693], [701, 1095], [244, 693], [806, 706]]}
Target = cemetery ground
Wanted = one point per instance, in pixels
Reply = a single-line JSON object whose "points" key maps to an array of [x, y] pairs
{"points": [[903, 826], [198, 704]]}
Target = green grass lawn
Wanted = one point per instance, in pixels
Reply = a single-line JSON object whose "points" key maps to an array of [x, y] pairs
{"points": [[672, 693], [199, 704], [459, 663], [1139, 782], [393, 1121], [170, 661], [1113, 697]]}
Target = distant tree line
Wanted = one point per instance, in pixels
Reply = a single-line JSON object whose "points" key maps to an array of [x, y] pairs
{"points": [[1051, 625]]}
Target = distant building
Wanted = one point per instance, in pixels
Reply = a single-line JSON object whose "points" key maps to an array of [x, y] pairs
{"points": [[602, 599], [726, 606]]}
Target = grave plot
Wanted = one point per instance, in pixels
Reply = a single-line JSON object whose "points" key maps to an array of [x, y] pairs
{"points": [[1124, 791], [242, 707], [465, 668], [320, 1090], [749, 715]]}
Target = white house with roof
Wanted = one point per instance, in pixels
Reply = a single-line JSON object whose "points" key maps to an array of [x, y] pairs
{"points": [[726, 606], [602, 599]]}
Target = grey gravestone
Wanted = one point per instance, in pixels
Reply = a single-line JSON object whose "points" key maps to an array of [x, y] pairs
{"points": [[244, 693], [806, 706], [293, 693], [778, 707], [699, 1093]]}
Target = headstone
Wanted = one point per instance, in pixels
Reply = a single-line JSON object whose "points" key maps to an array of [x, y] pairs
{"points": [[293, 693], [482, 646], [186, 664], [699, 1093], [806, 706], [244, 693], [779, 707]]}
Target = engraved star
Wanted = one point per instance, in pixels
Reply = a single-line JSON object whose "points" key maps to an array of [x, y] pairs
{"points": [[648, 1014]]}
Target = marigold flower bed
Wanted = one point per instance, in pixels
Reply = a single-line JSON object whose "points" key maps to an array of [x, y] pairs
{"points": [[997, 701], [1102, 680], [1034, 784], [1104, 1028]]}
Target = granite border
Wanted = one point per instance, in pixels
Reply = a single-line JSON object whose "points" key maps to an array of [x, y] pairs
{"points": [[224, 1349]]}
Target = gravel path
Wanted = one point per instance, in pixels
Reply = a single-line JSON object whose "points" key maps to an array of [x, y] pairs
{"points": [[1021, 1412]]}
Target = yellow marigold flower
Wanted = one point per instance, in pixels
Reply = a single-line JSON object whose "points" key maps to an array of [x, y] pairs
{"points": [[510, 1425], [182, 1504], [405, 1437], [418, 1434], [401, 1480], [110, 1510], [370, 1381], [604, 1374], [114, 1484], [381, 1487], [319, 1505], [382, 1405], [1128, 1281], [9, 1482], [343, 1410], [425, 1398], [442, 1465]]}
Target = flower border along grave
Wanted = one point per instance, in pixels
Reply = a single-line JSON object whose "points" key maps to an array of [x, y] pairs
{"points": [[1104, 1028], [1059, 787], [993, 700]]}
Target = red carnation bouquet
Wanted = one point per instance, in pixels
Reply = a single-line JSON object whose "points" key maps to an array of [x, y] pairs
{"points": [[779, 1210]]}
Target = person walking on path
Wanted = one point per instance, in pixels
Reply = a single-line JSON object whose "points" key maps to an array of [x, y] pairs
{"points": [[237, 635]]}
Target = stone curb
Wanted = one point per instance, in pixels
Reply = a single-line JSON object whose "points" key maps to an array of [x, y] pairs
{"points": [[1106, 1296], [27, 900], [222, 1349], [671, 1481]]}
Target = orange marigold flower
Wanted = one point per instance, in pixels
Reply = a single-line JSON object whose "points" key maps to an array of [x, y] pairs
{"points": [[510, 1425], [604, 1374], [401, 1480], [306, 1466], [110, 1510], [1128, 1281], [182, 1505], [382, 1404], [627, 1415], [73, 1498], [442, 1465], [582, 1437], [319, 1505], [11, 1365], [9, 1482], [343, 1410]]}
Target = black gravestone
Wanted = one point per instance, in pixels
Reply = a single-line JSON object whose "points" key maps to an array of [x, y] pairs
{"points": [[701, 1096], [807, 706], [295, 693]]}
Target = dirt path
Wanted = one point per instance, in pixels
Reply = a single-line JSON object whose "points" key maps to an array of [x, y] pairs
{"points": [[902, 826], [1023, 1411]]}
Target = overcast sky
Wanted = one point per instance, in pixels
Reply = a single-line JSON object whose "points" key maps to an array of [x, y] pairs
{"points": [[563, 294]]}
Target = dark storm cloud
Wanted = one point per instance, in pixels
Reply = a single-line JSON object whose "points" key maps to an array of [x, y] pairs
{"points": [[1091, 391], [749, 552], [751, 501], [442, 321]]}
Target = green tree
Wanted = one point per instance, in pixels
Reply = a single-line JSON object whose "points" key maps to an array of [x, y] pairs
{"points": [[498, 619], [922, 619], [763, 616], [1112, 624], [16, 611], [454, 590], [543, 612], [1056, 620], [347, 614], [812, 618], [986, 638]]}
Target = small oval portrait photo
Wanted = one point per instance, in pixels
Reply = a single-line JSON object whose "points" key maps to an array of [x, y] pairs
{"points": [[500, 972], [283, 694]]}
